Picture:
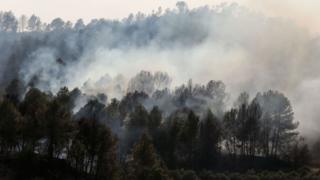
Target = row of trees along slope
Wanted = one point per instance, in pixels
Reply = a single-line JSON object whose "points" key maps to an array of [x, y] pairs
{"points": [[138, 138]]}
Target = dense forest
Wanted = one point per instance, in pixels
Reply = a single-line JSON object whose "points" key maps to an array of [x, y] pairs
{"points": [[187, 133]]}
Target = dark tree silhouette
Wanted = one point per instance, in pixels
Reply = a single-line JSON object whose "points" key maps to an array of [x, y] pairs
{"points": [[9, 126], [144, 163], [210, 137], [58, 124], [34, 110]]}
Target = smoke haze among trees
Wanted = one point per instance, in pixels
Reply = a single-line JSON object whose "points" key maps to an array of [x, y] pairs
{"points": [[140, 137], [226, 42], [185, 88]]}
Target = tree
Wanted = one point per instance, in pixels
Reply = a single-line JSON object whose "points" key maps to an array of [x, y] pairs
{"points": [[9, 121], [298, 153], [242, 131], [68, 25], [92, 110], [14, 91], [277, 109], [265, 134], [243, 98], [98, 148], [136, 125], [113, 115], [57, 24], [182, 6], [188, 140], [79, 25], [139, 118], [230, 129], [58, 124], [242, 127], [33, 108], [200, 97], [9, 22], [167, 139], [216, 91], [315, 150], [77, 154], [210, 136], [144, 163], [161, 80], [130, 101], [253, 127], [107, 167], [155, 119], [142, 82], [23, 23], [190, 127], [34, 23]]}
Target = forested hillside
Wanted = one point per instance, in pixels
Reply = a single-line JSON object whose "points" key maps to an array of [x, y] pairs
{"points": [[111, 98], [139, 137]]}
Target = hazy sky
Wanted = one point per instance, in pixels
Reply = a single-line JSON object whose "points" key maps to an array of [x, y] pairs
{"points": [[304, 12]]}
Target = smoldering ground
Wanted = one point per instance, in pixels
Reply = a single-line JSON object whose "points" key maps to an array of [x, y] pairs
{"points": [[247, 51]]}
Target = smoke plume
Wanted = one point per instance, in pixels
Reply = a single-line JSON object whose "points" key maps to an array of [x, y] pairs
{"points": [[247, 51]]}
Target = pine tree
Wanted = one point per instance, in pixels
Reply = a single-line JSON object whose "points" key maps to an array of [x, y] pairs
{"points": [[9, 121], [210, 137], [144, 163], [34, 111], [155, 118], [58, 123]]}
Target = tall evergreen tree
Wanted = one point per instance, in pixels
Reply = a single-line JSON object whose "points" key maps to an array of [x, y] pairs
{"points": [[210, 136], [34, 110], [144, 163], [58, 123], [188, 140], [155, 119], [9, 122]]}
